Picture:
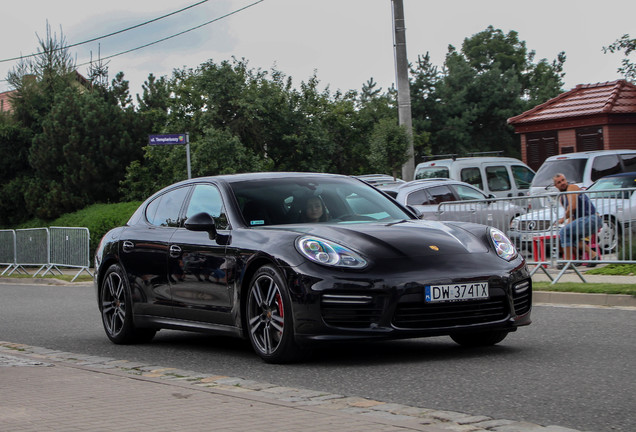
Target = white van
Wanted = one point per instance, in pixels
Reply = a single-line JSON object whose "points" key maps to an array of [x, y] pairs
{"points": [[582, 168], [499, 176]]}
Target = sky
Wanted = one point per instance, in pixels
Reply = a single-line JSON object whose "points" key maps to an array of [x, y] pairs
{"points": [[344, 42]]}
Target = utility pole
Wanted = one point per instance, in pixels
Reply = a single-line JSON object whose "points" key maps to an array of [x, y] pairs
{"points": [[403, 86]]}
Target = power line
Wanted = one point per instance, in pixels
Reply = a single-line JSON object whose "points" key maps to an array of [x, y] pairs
{"points": [[176, 34], [110, 34]]}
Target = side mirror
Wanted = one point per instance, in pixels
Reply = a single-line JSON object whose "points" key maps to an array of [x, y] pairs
{"points": [[415, 211], [202, 222]]}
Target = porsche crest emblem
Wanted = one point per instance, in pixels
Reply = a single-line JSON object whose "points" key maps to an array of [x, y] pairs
{"points": [[435, 248]]}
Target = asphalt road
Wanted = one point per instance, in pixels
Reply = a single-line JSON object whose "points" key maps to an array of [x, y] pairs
{"points": [[573, 367]]}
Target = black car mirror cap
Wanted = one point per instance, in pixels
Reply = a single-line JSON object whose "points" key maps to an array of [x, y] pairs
{"points": [[201, 222]]}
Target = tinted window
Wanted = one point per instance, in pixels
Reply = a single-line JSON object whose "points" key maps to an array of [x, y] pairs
{"points": [[572, 169], [164, 210], [207, 198], [440, 194], [432, 172], [497, 177], [274, 201], [629, 162], [604, 166], [522, 176], [419, 197], [467, 193], [472, 176]]}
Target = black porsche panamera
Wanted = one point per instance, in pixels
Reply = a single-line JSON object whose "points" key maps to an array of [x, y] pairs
{"points": [[290, 259]]}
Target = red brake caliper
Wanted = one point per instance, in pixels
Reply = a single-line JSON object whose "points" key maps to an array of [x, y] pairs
{"points": [[279, 302]]}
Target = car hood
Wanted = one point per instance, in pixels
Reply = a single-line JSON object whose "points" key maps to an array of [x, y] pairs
{"points": [[412, 238]]}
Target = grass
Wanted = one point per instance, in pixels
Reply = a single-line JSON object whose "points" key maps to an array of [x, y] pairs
{"points": [[84, 277], [590, 288]]}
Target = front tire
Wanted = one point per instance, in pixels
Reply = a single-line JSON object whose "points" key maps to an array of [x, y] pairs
{"points": [[116, 308], [269, 317], [608, 236], [480, 339]]}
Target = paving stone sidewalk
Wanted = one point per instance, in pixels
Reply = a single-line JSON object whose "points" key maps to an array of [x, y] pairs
{"points": [[48, 390]]}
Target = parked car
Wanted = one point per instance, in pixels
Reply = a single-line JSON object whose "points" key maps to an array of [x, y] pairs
{"points": [[379, 179], [614, 199], [231, 255], [582, 168], [451, 200], [500, 176]]}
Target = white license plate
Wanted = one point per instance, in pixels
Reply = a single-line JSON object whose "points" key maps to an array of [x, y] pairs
{"points": [[456, 292]]}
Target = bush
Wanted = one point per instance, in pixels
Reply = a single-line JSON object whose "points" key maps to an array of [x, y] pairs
{"points": [[98, 218]]}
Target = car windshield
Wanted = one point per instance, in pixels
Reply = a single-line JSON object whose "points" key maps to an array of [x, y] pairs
{"points": [[571, 168], [613, 183], [313, 199], [432, 172]]}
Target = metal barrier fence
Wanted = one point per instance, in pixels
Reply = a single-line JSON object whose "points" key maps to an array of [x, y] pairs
{"points": [[538, 234], [46, 248], [7, 250]]}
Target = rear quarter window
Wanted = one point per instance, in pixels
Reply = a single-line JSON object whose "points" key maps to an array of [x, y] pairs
{"points": [[604, 166]]}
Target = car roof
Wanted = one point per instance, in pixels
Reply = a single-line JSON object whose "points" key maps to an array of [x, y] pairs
{"points": [[415, 184], [476, 159], [625, 174], [587, 154]]}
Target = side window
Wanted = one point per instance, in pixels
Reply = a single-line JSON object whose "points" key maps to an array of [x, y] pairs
{"points": [[419, 197], [164, 210], [441, 194], [522, 175], [467, 193], [472, 176], [629, 162], [207, 198], [605, 165], [497, 177]]}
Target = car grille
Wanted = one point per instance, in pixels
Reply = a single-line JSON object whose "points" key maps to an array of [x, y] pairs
{"points": [[535, 225], [417, 314], [422, 315], [522, 297], [352, 311]]}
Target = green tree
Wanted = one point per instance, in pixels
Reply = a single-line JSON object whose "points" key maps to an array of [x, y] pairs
{"points": [[628, 45], [14, 171], [492, 78], [388, 147], [77, 158]]}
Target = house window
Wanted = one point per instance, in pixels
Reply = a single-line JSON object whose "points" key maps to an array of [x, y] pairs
{"points": [[589, 139]]}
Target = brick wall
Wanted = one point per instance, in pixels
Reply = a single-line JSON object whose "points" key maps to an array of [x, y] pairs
{"points": [[567, 138], [620, 137]]}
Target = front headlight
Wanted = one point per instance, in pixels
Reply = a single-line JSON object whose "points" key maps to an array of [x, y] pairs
{"points": [[502, 244], [329, 253], [514, 224]]}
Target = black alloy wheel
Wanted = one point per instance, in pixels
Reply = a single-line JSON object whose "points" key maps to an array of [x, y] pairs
{"points": [[116, 308], [269, 317]]}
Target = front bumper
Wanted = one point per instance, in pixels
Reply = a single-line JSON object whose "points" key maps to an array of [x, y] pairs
{"points": [[341, 308]]}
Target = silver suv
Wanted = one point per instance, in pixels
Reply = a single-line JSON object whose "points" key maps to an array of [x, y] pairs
{"points": [[451, 200]]}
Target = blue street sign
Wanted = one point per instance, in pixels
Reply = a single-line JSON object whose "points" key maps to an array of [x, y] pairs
{"points": [[168, 139]]}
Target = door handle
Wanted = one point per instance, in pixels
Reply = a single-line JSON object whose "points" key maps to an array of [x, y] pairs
{"points": [[175, 251]]}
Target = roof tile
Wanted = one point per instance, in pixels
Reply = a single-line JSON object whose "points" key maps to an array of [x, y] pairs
{"points": [[612, 97]]}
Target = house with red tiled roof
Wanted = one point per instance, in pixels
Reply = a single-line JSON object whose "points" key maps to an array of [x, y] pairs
{"points": [[5, 101], [598, 116]]}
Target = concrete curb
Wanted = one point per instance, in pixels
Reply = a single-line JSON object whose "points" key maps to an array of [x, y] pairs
{"points": [[570, 298]]}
